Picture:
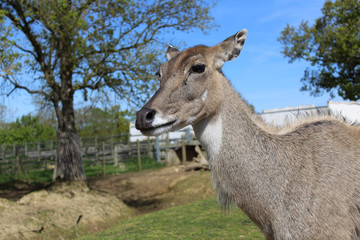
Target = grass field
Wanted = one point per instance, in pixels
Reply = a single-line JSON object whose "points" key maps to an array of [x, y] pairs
{"points": [[45, 176], [198, 220]]}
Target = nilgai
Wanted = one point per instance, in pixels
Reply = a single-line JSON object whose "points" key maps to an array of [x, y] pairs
{"points": [[299, 183]]}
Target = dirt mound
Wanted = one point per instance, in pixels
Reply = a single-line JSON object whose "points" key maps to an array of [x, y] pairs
{"points": [[62, 211], [151, 190], [66, 211]]}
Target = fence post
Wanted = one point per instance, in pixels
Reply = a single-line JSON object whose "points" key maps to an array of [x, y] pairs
{"points": [[148, 147], [17, 167], [167, 147], [13, 162], [23, 170], [96, 161], [188, 135], [116, 160], [83, 149], [45, 159], [26, 149], [157, 149], [183, 150], [14, 149], [2, 157], [112, 147], [103, 158], [52, 150], [38, 152], [130, 149], [138, 154]]}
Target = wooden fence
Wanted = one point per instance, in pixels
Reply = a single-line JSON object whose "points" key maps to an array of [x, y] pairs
{"points": [[96, 151]]}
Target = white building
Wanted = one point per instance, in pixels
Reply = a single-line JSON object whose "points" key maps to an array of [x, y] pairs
{"points": [[279, 117], [350, 111]]}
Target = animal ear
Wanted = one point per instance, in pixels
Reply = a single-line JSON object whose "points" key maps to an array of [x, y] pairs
{"points": [[171, 52], [230, 48]]}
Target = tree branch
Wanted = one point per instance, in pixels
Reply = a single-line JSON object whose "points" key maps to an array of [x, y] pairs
{"points": [[25, 50], [18, 86]]}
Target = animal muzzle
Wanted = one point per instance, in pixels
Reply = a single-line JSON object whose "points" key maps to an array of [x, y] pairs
{"points": [[144, 119]]}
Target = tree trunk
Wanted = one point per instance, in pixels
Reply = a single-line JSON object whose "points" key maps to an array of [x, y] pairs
{"points": [[69, 163]]}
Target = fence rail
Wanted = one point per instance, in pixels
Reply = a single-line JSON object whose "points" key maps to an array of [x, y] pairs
{"points": [[96, 151]]}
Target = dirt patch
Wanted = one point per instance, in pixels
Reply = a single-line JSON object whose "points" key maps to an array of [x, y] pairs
{"points": [[66, 211], [16, 190], [154, 190]]}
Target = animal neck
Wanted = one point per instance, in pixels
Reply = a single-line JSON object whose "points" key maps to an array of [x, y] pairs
{"points": [[232, 122], [239, 151]]}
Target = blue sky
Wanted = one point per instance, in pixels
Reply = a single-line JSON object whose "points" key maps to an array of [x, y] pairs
{"points": [[262, 76]]}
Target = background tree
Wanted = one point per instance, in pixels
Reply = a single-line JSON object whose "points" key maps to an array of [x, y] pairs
{"points": [[95, 121], [61, 47], [26, 129], [6, 62], [332, 46]]}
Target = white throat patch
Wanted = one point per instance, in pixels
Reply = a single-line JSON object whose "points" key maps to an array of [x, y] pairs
{"points": [[204, 95], [209, 133]]}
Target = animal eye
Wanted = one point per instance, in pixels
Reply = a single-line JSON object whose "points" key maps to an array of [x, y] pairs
{"points": [[158, 74], [199, 68]]}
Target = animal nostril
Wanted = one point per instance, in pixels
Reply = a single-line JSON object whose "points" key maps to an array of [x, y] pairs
{"points": [[149, 116]]}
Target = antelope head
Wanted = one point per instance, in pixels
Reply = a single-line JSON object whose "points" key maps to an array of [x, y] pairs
{"points": [[190, 86]]}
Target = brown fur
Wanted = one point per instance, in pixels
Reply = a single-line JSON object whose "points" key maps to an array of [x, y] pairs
{"points": [[298, 183]]}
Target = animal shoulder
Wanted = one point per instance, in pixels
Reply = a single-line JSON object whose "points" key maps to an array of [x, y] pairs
{"points": [[318, 124]]}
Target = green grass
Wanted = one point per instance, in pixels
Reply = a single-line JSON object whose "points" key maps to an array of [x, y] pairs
{"points": [[131, 165], [45, 176], [34, 176], [199, 220]]}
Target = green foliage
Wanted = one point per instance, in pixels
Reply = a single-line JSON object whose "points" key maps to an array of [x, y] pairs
{"points": [[26, 129], [332, 46], [199, 220], [103, 122], [56, 48], [91, 45]]}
